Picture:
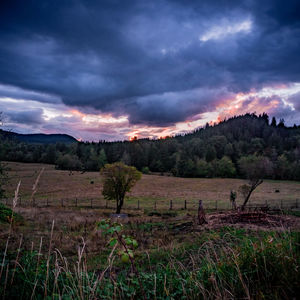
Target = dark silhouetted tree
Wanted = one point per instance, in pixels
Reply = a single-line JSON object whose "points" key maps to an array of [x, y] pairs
{"points": [[102, 159], [273, 122], [68, 162], [281, 123], [210, 153], [224, 167]]}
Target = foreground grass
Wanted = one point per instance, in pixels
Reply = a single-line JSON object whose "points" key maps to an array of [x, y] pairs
{"points": [[226, 263]]}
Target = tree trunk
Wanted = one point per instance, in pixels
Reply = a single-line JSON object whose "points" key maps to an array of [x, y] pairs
{"points": [[233, 204], [254, 185], [201, 214], [247, 199], [233, 199], [119, 206]]}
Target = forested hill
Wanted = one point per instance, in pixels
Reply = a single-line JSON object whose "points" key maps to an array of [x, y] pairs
{"points": [[212, 151], [39, 138]]}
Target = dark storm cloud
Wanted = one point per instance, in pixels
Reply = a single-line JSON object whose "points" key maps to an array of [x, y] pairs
{"points": [[160, 62], [17, 93], [175, 106], [31, 117]]}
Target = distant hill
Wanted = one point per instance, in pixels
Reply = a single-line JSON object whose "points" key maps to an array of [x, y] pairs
{"points": [[39, 138], [218, 150]]}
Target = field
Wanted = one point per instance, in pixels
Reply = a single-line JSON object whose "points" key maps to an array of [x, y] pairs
{"points": [[57, 185], [63, 252]]}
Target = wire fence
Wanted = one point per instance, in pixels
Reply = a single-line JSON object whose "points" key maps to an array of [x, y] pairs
{"points": [[136, 204]]}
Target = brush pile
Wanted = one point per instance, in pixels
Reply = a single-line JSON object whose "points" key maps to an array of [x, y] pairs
{"points": [[254, 217]]}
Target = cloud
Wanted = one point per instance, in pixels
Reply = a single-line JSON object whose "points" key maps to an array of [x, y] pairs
{"points": [[29, 117], [295, 100], [174, 106], [12, 92], [158, 63], [222, 31]]}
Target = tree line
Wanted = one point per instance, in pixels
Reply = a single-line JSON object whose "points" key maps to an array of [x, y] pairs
{"points": [[218, 150]]}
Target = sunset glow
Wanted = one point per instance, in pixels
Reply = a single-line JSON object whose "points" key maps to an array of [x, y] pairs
{"points": [[135, 127], [165, 70]]}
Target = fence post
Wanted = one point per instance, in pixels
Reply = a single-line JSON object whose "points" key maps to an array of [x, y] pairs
{"points": [[20, 198], [216, 204], [47, 202], [6, 201], [91, 203], [281, 204], [138, 204], [201, 214], [296, 203], [185, 204], [171, 204], [106, 203], [155, 205], [62, 202]]}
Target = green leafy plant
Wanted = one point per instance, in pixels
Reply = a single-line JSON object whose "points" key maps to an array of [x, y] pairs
{"points": [[126, 245], [6, 214]]}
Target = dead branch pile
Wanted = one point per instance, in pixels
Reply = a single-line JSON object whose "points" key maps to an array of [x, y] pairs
{"points": [[256, 217]]}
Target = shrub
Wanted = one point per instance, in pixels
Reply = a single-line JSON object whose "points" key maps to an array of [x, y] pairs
{"points": [[6, 213], [145, 170]]}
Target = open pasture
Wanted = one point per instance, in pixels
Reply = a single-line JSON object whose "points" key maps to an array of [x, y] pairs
{"points": [[57, 188], [219, 256]]}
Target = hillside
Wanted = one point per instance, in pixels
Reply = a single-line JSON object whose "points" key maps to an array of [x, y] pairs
{"points": [[218, 150], [39, 138]]}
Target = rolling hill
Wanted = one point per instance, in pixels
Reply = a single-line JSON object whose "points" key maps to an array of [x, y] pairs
{"points": [[39, 138]]}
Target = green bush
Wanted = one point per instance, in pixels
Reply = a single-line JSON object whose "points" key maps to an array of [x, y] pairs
{"points": [[6, 213], [145, 170]]}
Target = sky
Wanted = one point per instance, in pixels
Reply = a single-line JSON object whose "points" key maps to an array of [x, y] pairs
{"points": [[115, 69]]}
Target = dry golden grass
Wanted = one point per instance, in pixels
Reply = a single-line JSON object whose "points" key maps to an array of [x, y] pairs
{"points": [[55, 185]]}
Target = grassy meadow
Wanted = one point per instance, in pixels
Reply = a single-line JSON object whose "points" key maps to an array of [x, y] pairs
{"points": [[55, 185], [59, 252]]}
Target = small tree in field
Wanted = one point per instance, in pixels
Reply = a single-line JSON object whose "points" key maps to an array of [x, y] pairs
{"points": [[118, 179], [255, 168]]}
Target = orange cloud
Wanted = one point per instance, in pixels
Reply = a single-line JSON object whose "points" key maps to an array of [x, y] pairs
{"points": [[98, 125], [247, 103], [77, 113]]}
